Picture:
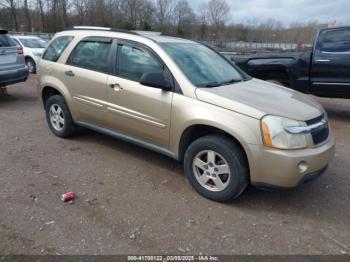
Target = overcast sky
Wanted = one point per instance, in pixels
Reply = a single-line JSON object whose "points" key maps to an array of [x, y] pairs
{"points": [[287, 11]]}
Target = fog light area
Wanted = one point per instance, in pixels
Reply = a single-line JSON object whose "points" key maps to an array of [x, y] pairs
{"points": [[303, 167]]}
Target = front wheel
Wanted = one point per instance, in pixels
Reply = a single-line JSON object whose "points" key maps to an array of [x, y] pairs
{"points": [[217, 168]]}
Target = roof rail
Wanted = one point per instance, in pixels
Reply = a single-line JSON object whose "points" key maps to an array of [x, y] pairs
{"points": [[96, 28], [147, 33]]}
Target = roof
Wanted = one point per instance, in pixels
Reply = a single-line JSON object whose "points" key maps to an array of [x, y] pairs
{"points": [[154, 36], [169, 39], [25, 36], [335, 28]]}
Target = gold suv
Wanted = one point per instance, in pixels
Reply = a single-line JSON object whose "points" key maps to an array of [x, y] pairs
{"points": [[183, 99]]}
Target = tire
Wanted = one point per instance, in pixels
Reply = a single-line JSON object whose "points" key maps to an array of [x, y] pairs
{"points": [[226, 151], [31, 65], [65, 128]]}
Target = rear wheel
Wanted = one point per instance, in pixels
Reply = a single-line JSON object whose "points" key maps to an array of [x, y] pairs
{"points": [[59, 118], [217, 168], [31, 65]]}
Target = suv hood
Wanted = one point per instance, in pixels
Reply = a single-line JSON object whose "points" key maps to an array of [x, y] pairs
{"points": [[257, 98]]}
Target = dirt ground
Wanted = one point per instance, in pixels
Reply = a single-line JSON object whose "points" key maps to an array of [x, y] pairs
{"points": [[133, 201]]}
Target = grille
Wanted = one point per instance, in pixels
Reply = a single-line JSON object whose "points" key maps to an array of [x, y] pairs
{"points": [[322, 135]]}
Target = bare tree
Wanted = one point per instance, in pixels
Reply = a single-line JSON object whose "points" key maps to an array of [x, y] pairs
{"points": [[217, 12], [64, 4], [164, 13], [80, 7], [183, 16], [203, 21], [146, 15], [172, 16], [12, 5], [26, 8], [40, 4]]}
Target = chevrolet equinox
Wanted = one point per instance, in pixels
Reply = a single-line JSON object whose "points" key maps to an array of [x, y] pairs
{"points": [[183, 99]]}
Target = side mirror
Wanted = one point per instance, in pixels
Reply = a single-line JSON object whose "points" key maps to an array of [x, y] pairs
{"points": [[156, 80]]}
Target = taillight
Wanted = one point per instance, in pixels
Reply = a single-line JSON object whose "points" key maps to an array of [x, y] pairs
{"points": [[20, 50]]}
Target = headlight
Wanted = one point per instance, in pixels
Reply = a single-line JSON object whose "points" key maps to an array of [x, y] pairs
{"points": [[276, 136]]}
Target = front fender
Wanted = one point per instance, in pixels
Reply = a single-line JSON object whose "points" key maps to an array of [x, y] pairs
{"points": [[188, 112]]}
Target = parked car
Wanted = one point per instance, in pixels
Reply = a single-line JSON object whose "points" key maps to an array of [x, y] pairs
{"points": [[12, 66], [323, 72], [33, 47], [182, 99]]}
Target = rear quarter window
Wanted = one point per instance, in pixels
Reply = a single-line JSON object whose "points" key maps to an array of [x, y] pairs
{"points": [[56, 48], [6, 41]]}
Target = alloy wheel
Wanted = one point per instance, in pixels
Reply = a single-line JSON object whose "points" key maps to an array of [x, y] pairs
{"points": [[211, 170], [56, 117]]}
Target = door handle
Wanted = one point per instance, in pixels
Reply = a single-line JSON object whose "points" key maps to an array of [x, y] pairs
{"points": [[116, 87], [69, 73], [323, 60]]}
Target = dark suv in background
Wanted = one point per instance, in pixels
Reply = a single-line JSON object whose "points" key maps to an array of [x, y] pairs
{"points": [[12, 66]]}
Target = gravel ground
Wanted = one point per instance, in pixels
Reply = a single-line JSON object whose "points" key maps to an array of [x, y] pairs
{"points": [[133, 201]]}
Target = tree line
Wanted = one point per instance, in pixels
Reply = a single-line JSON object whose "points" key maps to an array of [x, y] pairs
{"points": [[211, 20]]}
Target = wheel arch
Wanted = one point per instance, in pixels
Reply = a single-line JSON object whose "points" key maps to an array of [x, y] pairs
{"points": [[47, 92], [50, 85], [196, 131], [28, 56]]}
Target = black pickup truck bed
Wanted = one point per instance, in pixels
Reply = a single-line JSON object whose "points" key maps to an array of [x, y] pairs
{"points": [[324, 72]]}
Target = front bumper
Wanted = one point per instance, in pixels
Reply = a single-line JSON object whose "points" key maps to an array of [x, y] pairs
{"points": [[280, 168], [13, 76]]}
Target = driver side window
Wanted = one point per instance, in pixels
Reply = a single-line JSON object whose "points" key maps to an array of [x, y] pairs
{"points": [[133, 61]]}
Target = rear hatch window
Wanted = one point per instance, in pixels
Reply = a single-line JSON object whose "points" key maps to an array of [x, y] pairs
{"points": [[8, 50], [6, 41]]}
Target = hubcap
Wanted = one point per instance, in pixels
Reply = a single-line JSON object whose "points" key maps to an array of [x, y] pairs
{"points": [[30, 66], [211, 170], [56, 117]]}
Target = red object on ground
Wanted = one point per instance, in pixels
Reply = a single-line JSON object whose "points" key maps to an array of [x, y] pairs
{"points": [[68, 196]]}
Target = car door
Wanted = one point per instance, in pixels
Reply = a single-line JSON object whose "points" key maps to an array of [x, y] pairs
{"points": [[139, 111], [85, 74], [330, 73]]}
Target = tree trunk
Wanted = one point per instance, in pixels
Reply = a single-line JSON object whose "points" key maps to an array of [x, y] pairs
{"points": [[42, 17], [64, 14], [26, 12], [13, 9]]}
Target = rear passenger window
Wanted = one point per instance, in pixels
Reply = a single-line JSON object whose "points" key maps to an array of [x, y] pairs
{"points": [[56, 48], [337, 41], [6, 41], [133, 61], [92, 55]]}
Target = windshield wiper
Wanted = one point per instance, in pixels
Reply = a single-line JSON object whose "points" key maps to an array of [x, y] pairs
{"points": [[213, 84], [216, 84], [232, 81]]}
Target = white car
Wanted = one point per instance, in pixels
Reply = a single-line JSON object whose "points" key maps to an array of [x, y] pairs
{"points": [[33, 47]]}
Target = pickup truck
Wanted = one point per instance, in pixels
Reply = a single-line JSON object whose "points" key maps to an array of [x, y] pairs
{"points": [[325, 71]]}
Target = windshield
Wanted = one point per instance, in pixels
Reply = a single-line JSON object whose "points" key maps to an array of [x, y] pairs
{"points": [[202, 66], [33, 42]]}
